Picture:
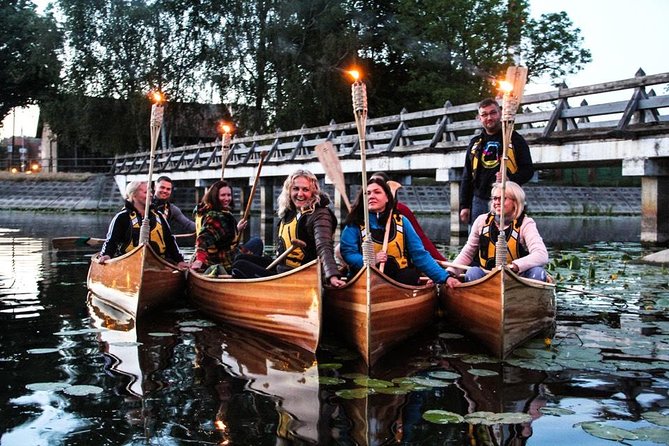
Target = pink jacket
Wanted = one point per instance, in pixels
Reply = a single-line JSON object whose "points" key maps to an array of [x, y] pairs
{"points": [[529, 238]]}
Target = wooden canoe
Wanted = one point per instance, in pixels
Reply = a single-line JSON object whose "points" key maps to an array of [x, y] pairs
{"points": [[373, 312], [501, 310], [286, 306], [136, 282]]}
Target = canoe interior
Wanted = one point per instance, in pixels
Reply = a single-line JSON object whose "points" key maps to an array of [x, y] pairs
{"points": [[136, 282], [501, 310], [374, 318], [286, 306]]}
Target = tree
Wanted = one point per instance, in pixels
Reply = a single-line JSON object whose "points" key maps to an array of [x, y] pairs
{"points": [[29, 49]]}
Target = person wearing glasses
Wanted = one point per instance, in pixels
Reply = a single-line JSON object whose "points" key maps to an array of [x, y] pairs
{"points": [[483, 159], [526, 252]]}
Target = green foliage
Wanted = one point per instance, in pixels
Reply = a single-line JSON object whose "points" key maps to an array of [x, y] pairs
{"points": [[279, 64], [29, 48]]}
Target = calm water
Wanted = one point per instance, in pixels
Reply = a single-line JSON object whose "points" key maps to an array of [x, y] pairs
{"points": [[178, 379]]}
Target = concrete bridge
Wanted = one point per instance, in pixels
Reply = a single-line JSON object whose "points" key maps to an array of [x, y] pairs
{"points": [[566, 127]]}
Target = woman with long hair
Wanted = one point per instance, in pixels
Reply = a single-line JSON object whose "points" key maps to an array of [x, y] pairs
{"points": [[217, 229], [304, 215], [405, 257]]}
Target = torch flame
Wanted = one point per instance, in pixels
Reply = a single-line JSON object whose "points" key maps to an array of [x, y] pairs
{"points": [[157, 97], [355, 74], [220, 425], [224, 127], [505, 86]]}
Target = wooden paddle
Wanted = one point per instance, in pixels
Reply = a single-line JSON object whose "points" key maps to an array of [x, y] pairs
{"points": [[393, 185], [295, 243], [249, 202], [327, 155], [89, 242]]}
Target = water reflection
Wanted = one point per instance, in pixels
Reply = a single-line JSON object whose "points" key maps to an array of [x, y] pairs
{"points": [[170, 379]]}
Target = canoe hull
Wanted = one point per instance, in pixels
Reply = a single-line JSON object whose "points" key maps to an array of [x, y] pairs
{"points": [[501, 310], [136, 282], [286, 306], [374, 318]]}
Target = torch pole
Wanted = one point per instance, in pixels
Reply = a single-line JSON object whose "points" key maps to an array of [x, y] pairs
{"points": [[515, 78], [157, 111], [359, 96]]}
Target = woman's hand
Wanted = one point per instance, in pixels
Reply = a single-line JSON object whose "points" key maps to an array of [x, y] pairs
{"points": [[451, 282], [103, 259], [336, 282], [242, 224], [381, 257], [182, 266], [196, 265]]}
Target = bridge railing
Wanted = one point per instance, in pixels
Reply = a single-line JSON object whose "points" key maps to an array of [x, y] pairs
{"points": [[543, 117]]}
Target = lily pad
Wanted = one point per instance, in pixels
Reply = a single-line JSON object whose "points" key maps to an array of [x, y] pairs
{"points": [[42, 351], [352, 394], [428, 382], [600, 430], [330, 366], [654, 434], [443, 374], [330, 381], [442, 417], [354, 375], [480, 417], [47, 386], [161, 334], [190, 329], [482, 372], [657, 418], [125, 344], [393, 390], [511, 418], [450, 336], [369, 382], [556, 411], [82, 390]]}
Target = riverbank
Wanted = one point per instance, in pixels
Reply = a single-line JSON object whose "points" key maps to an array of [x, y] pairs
{"points": [[99, 193]]}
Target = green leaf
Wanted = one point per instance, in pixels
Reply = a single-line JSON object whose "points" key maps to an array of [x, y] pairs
{"points": [[442, 417], [599, 430]]}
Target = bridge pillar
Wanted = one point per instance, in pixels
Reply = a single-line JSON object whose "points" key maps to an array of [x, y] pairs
{"points": [[654, 216], [267, 210], [654, 185], [458, 229]]}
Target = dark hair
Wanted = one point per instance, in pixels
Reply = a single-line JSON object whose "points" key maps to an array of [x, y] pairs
{"points": [[384, 176], [356, 216], [211, 196], [164, 178], [488, 102]]}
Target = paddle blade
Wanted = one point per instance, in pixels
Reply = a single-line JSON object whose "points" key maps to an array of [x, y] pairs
{"points": [[327, 155], [76, 242]]}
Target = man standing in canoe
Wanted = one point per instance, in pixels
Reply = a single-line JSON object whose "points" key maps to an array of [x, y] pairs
{"points": [[483, 159], [177, 220]]}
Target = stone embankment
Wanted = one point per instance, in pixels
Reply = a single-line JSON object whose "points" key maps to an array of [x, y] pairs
{"points": [[99, 193]]}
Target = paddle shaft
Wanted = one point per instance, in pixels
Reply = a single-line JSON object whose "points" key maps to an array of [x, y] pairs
{"points": [[393, 185], [295, 243], [249, 202], [72, 242]]}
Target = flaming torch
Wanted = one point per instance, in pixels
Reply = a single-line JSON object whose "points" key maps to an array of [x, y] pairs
{"points": [[226, 137], [513, 88], [359, 98], [157, 111]]}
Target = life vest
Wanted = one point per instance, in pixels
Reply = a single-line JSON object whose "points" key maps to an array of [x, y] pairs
{"points": [[478, 156], [156, 235], [295, 228], [488, 238], [397, 249]]}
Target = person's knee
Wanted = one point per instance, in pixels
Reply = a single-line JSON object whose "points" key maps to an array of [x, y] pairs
{"points": [[536, 273], [474, 273]]}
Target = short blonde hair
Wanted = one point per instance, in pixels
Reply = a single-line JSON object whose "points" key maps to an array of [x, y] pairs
{"points": [[131, 189], [514, 192]]}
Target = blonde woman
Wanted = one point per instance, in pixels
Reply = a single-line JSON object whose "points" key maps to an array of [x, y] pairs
{"points": [[527, 254], [305, 215]]}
